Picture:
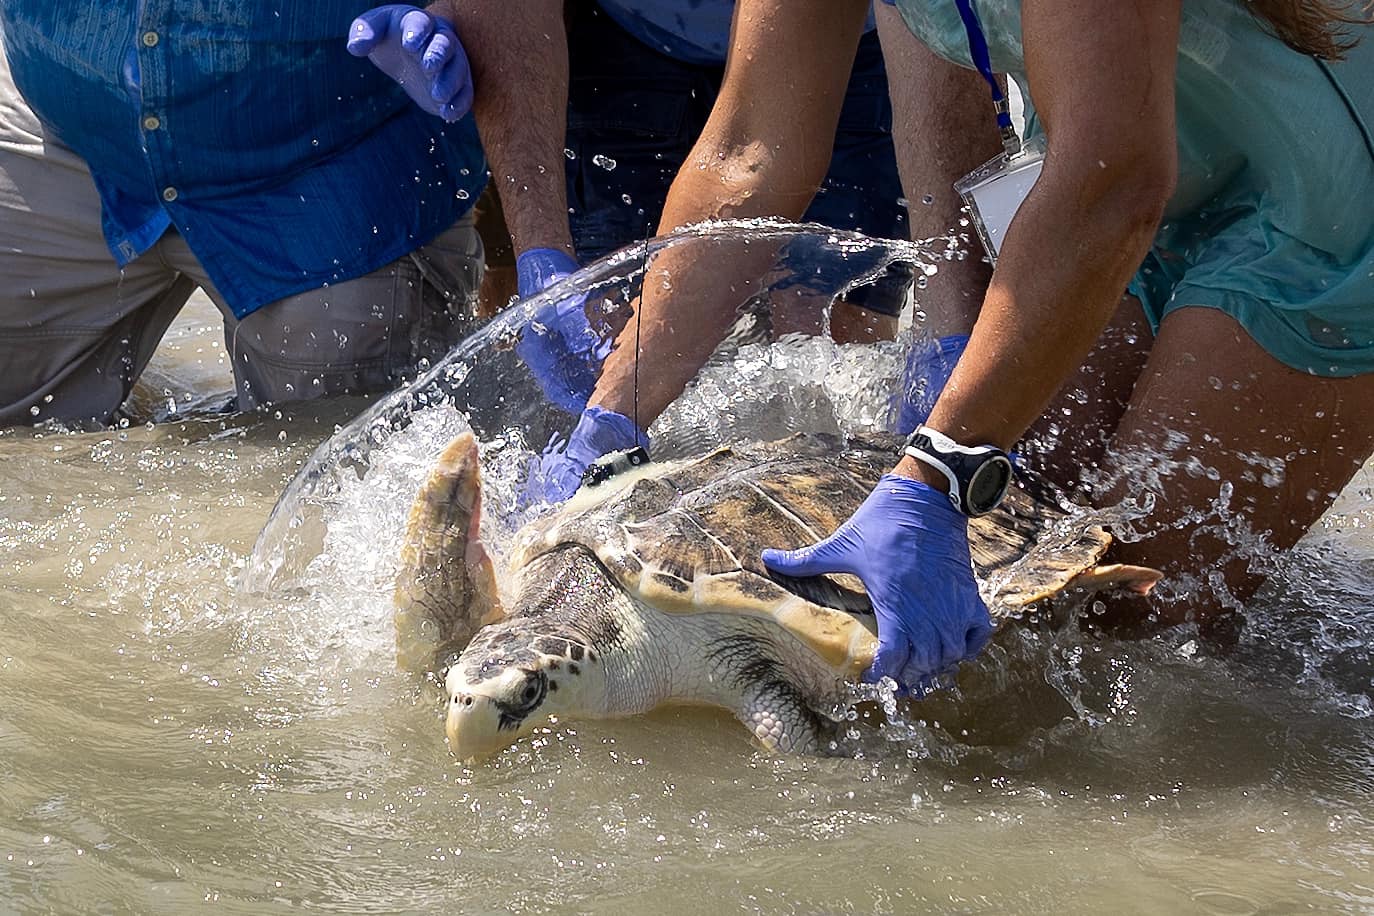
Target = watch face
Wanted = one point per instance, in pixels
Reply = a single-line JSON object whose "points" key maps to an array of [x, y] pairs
{"points": [[989, 485]]}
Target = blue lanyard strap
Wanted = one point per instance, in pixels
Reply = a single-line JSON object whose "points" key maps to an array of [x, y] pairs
{"points": [[978, 51]]}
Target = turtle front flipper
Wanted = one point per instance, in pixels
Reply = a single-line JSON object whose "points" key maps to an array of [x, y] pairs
{"points": [[780, 719], [446, 589]]}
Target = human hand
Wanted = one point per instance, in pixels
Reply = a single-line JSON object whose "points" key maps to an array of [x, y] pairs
{"points": [[556, 474], [928, 368], [562, 351], [909, 547], [420, 51]]}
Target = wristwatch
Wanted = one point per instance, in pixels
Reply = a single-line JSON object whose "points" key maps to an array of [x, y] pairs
{"points": [[978, 475]]}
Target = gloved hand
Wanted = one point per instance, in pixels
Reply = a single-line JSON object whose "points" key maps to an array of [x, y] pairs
{"points": [[421, 52], [909, 547], [557, 473], [928, 368], [539, 268], [563, 352]]}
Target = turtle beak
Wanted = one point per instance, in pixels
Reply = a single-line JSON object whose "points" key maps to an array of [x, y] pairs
{"points": [[474, 727]]}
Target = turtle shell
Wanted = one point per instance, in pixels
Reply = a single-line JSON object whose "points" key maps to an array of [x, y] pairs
{"points": [[685, 537]]}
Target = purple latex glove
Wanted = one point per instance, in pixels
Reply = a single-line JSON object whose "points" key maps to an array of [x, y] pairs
{"points": [[539, 268], [563, 352], [928, 368], [421, 52], [557, 473], [909, 547]]}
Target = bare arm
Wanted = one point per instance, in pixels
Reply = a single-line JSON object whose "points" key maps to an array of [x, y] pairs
{"points": [[1104, 86], [518, 50], [767, 145], [942, 128], [764, 152]]}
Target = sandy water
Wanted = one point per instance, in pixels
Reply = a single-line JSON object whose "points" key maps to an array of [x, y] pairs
{"points": [[171, 741]]}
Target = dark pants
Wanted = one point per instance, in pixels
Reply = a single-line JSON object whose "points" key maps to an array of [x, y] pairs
{"points": [[634, 115]]}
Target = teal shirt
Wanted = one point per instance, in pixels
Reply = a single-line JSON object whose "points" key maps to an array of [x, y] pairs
{"points": [[1272, 220]]}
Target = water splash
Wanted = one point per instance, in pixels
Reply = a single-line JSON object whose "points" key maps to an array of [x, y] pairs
{"points": [[485, 383]]}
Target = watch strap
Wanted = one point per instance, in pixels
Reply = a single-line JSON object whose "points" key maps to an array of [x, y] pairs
{"points": [[933, 461], [934, 449]]}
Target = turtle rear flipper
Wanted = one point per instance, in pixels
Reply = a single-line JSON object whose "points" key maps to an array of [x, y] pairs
{"points": [[446, 589]]}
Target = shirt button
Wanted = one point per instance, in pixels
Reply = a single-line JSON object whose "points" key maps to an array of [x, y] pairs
{"points": [[152, 122], [169, 194], [150, 39]]}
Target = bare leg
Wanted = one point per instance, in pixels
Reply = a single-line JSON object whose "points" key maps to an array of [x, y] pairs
{"points": [[849, 323], [1068, 442], [855, 324], [499, 282], [1242, 455]]}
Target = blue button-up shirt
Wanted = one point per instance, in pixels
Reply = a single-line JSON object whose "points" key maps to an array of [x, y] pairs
{"points": [[283, 161]]}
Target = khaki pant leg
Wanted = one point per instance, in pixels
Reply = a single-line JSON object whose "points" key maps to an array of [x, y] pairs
{"points": [[362, 336], [75, 331]]}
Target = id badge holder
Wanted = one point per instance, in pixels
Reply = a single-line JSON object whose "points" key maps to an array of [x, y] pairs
{"points": [[994, 191]]}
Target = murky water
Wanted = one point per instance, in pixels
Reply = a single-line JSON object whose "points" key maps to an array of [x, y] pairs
{"points": [[171, 737]]}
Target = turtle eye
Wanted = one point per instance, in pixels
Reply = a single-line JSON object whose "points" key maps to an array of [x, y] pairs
{"points": [[532, 691]]}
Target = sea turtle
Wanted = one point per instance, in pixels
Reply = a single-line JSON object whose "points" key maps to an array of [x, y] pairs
{"points": [[648, 589]]}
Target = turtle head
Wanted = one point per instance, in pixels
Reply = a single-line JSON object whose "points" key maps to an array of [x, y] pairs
{"points": [[506, 684]]}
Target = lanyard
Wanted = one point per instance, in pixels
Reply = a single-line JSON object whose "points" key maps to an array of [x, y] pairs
{"points": [[978, 51]]}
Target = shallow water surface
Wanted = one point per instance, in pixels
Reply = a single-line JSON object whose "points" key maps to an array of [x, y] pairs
{"points": [[170, 739]]}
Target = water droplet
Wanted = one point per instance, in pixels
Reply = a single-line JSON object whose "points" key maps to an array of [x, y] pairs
{"points": [[604, 162]]}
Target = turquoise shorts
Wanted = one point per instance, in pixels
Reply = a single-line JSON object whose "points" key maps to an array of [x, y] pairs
{"points": [[1273, 222], [1335, 342], [1276, 222]]}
